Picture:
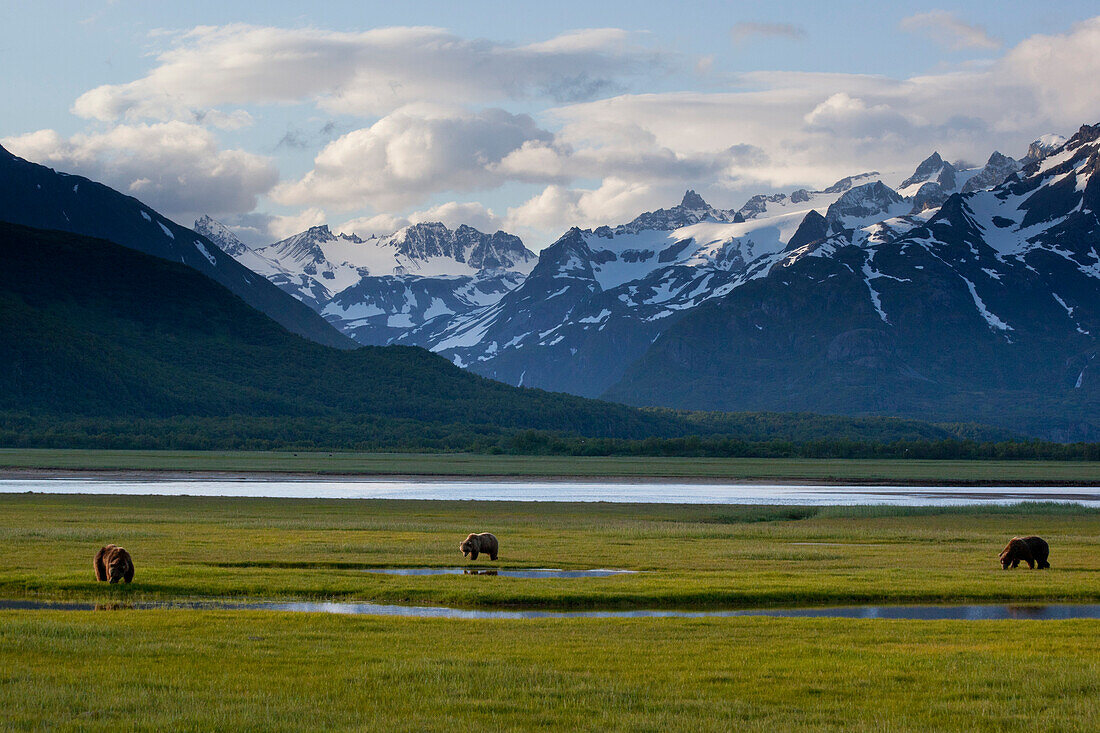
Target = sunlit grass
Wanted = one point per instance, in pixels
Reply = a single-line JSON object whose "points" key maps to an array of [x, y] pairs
{"points": [[173, 670], [689, 556]]}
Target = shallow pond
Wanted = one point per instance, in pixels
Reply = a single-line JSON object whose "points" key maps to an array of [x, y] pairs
{"points": [[983, 612], [532, 573], [611, 491]]}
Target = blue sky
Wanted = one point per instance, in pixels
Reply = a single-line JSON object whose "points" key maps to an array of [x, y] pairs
{"points": [[527, 116]]}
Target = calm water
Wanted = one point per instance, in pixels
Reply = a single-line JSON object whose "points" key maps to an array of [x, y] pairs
{"points": [[612, 491], [532, 573], [988, 612]]}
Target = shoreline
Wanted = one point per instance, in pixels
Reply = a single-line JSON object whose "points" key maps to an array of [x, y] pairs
{"points": [[169, 474]]}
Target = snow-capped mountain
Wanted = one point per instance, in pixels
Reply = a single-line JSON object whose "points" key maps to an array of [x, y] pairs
{"points": [[996, 170], [598, 298], [377, 288], [1042, 147], [36, 196], [987, 309]]}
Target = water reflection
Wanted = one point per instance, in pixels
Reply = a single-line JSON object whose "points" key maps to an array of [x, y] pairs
{"points": [[532, 573], [579, 491], [984, 612]]}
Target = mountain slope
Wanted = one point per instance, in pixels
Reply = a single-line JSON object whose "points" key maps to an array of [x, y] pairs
{"points": [[132, 340], [598, 298], [36, 196], [986, 311]]}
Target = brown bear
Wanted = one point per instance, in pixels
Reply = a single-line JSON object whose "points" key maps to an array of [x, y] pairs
{"points": [[1032, 550], [476, 543], [113, 563]]}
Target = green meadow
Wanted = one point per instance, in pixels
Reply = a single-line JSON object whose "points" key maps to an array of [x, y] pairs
{"points": [[191, 670], [688, 556], [469, 464], [177, 669]]}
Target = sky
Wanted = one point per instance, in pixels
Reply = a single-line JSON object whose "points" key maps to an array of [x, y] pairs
{"points": [[528, 117]]}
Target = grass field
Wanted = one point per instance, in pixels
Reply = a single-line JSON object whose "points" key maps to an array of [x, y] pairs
{"points": [[187, 670], [692, 556], [221, 670], [412, 464]]}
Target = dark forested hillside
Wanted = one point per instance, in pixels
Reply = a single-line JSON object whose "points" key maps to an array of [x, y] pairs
{"points": [[36, 196]]}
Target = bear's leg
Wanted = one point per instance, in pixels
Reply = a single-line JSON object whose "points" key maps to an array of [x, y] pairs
{"points": [[100, 568], [473, 555], [1030, 564], [129, 576], [493, 556], [1015, 563]]}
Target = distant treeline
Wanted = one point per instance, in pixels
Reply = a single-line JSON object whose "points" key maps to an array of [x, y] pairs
{"points": [[307, 434]]}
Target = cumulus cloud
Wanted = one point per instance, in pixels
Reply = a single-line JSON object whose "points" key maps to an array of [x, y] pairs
{"points": [[949, 30], [615, 200], [453, 214], [411, 154], [281, 227], [175, 167], [814, 128], [370, 73], [742, 32]]}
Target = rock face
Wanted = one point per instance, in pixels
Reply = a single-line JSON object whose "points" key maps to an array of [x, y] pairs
{"points": [[996, 170], [986, 310], [871, 200], [36, 196], [1042, 147], [930, 185]]}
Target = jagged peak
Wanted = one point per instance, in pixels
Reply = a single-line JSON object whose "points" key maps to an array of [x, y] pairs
{"points": [[1087, 134], [693, 201]]}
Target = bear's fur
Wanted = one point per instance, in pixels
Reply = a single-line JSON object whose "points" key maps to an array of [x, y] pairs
{"points": [[113, 563], [1032, 550], [476, 543]]}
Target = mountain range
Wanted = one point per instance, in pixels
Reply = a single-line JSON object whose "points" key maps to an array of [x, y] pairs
{"points": [[956, 292], [105, 346]]}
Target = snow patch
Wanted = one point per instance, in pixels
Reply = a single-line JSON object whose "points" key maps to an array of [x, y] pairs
{"points": [[990, 317], [205, 253]]}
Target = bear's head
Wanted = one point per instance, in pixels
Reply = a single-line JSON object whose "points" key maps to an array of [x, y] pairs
{"points": [[470, 547], [1010, 552], [117, 566]]}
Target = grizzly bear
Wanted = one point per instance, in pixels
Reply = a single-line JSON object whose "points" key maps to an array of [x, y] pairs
{"points": [[476, 543], [1032, 550], [113, 563]]}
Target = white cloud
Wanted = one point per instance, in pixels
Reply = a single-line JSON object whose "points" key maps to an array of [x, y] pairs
{"points": [[369, 73], [558, 207], [411, 154], [453, 214], [281, 227], [949, 30], [175, 167], [813, 128]]}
